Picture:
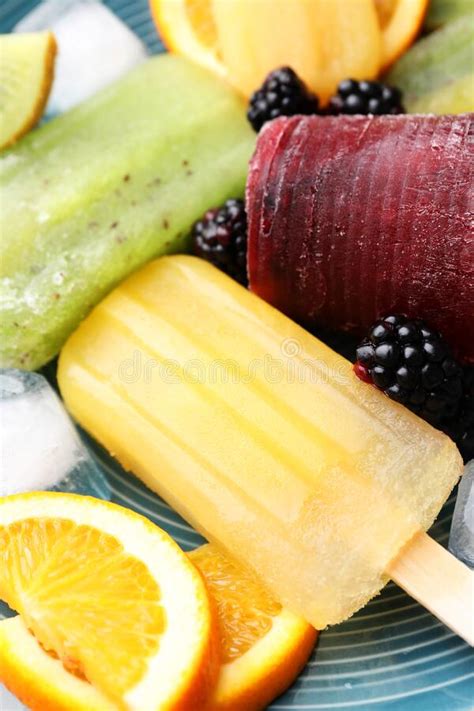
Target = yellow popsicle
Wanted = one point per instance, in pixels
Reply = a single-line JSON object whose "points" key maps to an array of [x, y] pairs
{"points": [[257, 433]]}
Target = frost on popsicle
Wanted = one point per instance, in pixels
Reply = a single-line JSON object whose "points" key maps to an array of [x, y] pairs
{"points": [[95, 48], [39, 446], [100, 190]]}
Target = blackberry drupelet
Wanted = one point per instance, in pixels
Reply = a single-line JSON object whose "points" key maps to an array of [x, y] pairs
{"points": [[413, 365], [366, 97], [282, 93], [220, 237]]}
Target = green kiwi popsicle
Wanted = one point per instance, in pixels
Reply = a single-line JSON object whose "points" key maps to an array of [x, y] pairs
{"points": [[96, 193]]}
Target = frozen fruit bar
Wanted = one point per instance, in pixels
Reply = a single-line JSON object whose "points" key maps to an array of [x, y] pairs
{"points": [[257, 433], [354, 217], [94, 194]]}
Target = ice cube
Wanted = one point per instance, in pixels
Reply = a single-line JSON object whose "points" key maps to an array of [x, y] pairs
{"points": [[39, 446], [461, 539], [94, 48]]}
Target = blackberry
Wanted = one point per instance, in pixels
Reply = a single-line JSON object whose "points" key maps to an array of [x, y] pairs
{"points": [[366, 97], [220, 237], [413, 365], [282, 93]]}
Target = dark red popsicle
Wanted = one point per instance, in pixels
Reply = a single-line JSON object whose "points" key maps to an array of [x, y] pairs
{"points": [[354, 217]]}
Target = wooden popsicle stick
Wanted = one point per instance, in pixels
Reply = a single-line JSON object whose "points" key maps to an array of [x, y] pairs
{"points": [[439, 581]]}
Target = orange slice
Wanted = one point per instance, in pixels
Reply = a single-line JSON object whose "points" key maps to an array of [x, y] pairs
{"points": [[400, 22], [26, 76], [112, 614], [263, 646], [243, 41], [39, 679], [187, 27]]}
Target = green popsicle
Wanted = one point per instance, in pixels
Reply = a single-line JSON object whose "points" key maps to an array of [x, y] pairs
{"points": [[94, 194], [436, 75], [442, 11]]}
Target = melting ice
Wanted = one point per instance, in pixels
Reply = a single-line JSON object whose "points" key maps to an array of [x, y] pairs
{"points": [[39, 446], [94, 48]]}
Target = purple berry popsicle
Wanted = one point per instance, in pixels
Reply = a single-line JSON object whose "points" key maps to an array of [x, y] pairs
{"points": [[355, 217]]}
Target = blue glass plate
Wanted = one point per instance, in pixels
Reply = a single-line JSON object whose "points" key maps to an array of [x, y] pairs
{"points": [[391, 656]]}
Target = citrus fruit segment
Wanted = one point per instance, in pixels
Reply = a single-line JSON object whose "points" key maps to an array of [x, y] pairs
{"points": [[323, 42], [111, 595], [263, 646], [400, 21], [187, 27], [39, 679], [26, 76]]}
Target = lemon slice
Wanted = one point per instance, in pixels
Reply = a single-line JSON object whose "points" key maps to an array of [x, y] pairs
{"points": [[263, 645], [110, 600], [26, 76]]}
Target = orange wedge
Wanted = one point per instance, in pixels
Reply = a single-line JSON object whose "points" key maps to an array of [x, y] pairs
{"points": [[188, 27], [323, 41], [39, 679], [243, 40], [112, 614], [263, 646], [400, 22]]}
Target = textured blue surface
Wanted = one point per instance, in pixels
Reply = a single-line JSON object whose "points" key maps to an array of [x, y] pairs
{"points": [[391, 656]]}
